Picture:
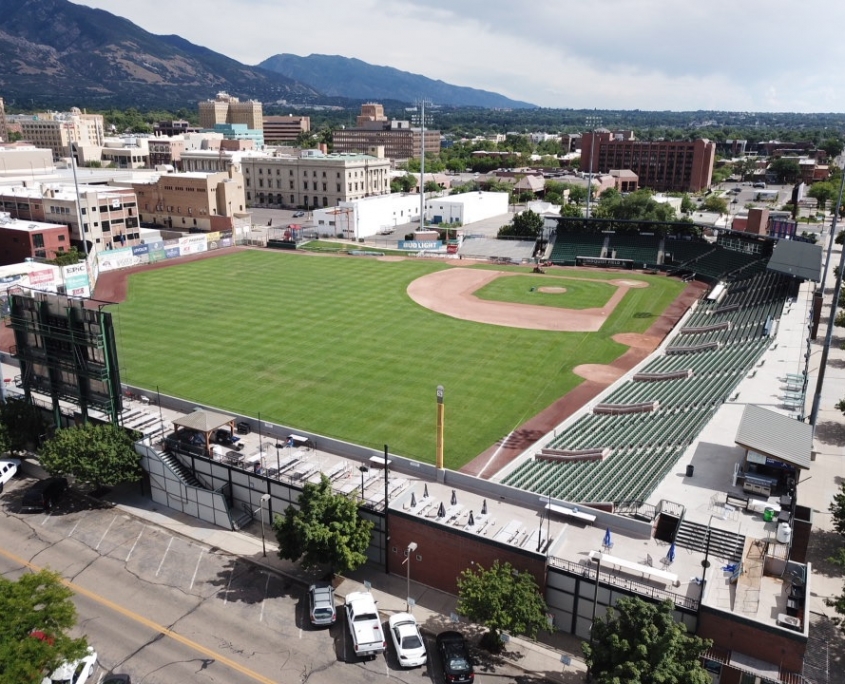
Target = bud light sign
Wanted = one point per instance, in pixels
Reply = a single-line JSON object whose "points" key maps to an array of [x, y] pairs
{"points": [[417, 245]]}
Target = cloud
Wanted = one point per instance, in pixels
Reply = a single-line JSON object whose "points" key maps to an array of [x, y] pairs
{"points": [[615, 54]]}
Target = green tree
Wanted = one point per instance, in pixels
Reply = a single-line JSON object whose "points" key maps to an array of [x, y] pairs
{"points": [[571, 211], [786, 170], [36, 602], [822, 192], [718, 205], [404, 183], [526, 224], [837, 506], [640, 643], [324, 528], [637, 206], [503, 600], [687, 205], [577, 193], [24, 424], [745, 167], [94, 454], [72, 256], [840, 237], [832, 146], [432, 186]]}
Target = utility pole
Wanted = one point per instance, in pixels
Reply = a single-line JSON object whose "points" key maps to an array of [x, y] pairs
{"points": [[593, 122]]}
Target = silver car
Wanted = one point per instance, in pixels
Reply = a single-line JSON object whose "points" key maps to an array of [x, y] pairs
{"points": [[321, 604]]}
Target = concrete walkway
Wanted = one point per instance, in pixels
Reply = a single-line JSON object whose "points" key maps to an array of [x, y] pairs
{"points": [[540, 660]]}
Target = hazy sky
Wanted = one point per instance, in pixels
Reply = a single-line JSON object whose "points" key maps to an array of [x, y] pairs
{"points": [[742, 55]]}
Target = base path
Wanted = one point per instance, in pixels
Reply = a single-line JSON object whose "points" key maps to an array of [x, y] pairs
{"points": [[451, 292]]}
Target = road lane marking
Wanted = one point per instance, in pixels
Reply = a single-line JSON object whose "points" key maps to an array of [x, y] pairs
{"points": [[137, 539], [102, 539], [164, 556], [140, 619]]}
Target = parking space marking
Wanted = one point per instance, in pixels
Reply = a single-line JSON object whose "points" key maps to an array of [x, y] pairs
{"points": [[46, 518], [150, 624], [196, 569], [97, 547], [264, 600], [137, 539], [229, 583], [70, 534], [164, 556]]}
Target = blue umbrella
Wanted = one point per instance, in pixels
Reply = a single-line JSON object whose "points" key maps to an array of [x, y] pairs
{"points": [[608, 539], [670, 556]]}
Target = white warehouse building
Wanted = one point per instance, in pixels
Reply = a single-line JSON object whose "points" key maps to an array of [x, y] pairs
{"points": [[363, 218], [466, 208]]}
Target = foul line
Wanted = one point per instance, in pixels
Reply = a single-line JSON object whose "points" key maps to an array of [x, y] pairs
{"points": [[496, 453], [147, 623]]}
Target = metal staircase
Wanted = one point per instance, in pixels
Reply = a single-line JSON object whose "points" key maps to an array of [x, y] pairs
{"points": [[723, 544], [181, 471]]}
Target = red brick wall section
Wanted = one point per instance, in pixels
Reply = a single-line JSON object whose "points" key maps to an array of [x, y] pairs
{"points": [[772, 647], [445, 553]]}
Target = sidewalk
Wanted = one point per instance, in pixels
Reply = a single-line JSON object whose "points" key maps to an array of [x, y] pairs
{"points": [[434, 609]]}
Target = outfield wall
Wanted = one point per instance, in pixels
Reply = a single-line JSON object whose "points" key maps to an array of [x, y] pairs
{"points": [[161, 250]]}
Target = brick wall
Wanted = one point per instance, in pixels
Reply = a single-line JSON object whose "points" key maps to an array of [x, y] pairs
{"points": [[445, 552]]}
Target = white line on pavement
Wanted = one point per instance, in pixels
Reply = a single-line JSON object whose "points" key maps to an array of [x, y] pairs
{"points": [[97, 548], [137, 539], [196, 569], [164, 556]]}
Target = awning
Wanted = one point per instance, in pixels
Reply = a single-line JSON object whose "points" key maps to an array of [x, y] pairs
{"points": [[776, 435], [203, 421]]}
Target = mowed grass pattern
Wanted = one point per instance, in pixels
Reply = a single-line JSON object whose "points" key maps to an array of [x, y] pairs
{"points": [[525, 289], [336, 346]]}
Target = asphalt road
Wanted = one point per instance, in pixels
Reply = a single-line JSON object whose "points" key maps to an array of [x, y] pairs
{"points": [[166, 609]]}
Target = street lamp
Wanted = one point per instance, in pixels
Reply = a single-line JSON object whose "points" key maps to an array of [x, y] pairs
{"points": [[411, 548], [264, 499], [364, 469], [706, 562]]}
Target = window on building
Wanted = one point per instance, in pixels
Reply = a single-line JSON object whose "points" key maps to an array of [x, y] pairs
{"points": [[338, 187], [324, 187], [292, 199], [325, 200], [38, 240], [61, 238]]}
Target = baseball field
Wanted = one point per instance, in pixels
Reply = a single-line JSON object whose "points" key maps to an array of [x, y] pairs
{"points": [[335, 345]]}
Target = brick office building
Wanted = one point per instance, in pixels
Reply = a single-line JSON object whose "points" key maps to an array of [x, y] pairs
{"points": [[663, 165]]}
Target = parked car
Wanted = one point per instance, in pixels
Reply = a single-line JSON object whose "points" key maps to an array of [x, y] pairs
{"points": [[44, 494], [407, 640], [298, 214], [454, 658], [8, 469], [321, 604], [76, 672], [116, 679]]}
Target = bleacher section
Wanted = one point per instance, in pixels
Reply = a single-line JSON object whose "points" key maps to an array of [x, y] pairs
{"points": [[643, 250], [641, 448], [568, 246]]}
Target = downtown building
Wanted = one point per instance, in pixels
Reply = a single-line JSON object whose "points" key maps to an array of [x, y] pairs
{"points": [[373, 129], [662, 165]]}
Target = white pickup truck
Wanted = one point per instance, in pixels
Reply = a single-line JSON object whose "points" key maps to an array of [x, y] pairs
{"points": [[364, 624]]}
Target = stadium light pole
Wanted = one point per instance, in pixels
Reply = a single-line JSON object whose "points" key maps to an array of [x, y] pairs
{"points": [[264, 499], [411, 548]]}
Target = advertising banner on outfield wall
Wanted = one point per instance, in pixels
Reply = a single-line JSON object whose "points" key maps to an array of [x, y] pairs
{"points": [[171, 249], [156, 252], [141, 253], [77, 283], [193, 244], [420, 244]]}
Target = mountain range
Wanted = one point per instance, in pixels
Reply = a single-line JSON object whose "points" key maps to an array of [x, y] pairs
{"points": [[56, 54], [339, 76]]}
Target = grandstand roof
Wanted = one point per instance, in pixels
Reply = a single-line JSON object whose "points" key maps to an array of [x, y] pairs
{"points": [[203, 421], [800, 259], [773, 434]]}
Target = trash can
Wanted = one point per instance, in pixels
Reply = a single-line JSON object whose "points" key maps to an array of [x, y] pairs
{"points": [[690, 470], [769, 514]]}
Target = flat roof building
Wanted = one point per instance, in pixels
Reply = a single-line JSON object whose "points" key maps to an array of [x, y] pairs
{"points": [[22, 240], [663, 165], [285, 129], [373, 128]]}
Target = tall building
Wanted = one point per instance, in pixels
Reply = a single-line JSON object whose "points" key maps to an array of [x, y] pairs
{"points": [[65, 133], [225, 109], [282, 129], [374, 129], [663, 165]]}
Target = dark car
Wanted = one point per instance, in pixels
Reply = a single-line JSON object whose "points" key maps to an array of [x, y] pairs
{"points": [[117, 679], [454, 658], [44, 494]]}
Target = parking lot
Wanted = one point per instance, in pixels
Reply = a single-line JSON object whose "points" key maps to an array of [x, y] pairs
{"points": [[223, 602]]}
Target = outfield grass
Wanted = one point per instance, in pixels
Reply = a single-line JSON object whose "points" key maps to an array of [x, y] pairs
{"points": [[336, 346], [525, 289]]}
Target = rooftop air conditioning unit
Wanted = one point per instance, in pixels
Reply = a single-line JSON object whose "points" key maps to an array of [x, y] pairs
{"points": [[789, 622]]}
